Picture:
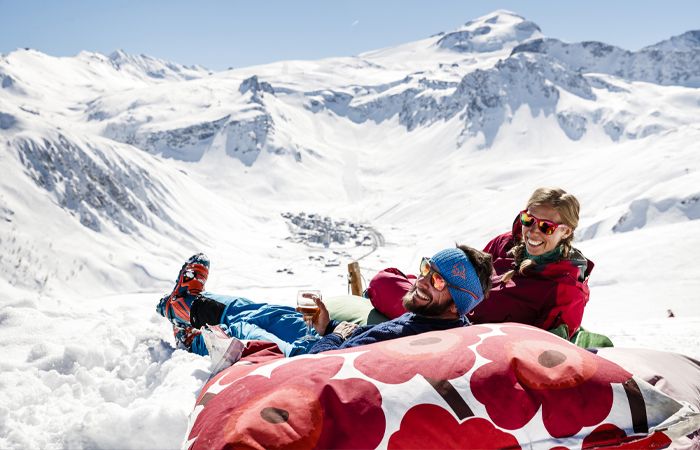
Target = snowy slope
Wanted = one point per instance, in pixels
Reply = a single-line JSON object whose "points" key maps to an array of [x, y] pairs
{"points": [[116, 168]]}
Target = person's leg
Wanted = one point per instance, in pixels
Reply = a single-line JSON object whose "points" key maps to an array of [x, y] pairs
{"points": [[247, 320], [249, 331], [282, 325], [204, 309], [188, 308]]}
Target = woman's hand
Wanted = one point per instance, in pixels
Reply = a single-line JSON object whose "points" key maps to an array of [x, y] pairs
{"points": [[322, 318]]}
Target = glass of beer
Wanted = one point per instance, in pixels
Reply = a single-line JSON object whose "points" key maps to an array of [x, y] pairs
{"points": [[308, 308]]}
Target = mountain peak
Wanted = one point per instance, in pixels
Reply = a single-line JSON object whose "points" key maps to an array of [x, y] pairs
{"points": [[686, 42], [118, 55], [495, 17], [154, 68], [491, 32]]}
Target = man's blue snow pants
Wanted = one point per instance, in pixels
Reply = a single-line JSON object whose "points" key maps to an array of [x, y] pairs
{"points": [[247, 320]]}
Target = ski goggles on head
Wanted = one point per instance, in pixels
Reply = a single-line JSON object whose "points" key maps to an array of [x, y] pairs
{"points": [[545, 226], [427, 270]]}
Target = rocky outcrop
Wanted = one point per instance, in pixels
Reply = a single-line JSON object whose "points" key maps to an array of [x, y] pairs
{"points": [[89, 183]]}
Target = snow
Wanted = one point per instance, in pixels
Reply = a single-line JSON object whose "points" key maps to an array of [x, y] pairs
{"points": [[117, 168]]}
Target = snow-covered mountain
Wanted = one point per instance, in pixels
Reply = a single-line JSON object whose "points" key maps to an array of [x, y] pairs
{"points": [[472, 87], [116, 168], [673, 62]]}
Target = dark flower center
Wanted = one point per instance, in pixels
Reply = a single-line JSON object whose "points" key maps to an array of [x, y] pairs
{"points": [[274, 415], [426, 341], [551, 358]]}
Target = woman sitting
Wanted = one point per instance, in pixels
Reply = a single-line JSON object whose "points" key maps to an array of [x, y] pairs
{"points": [[539, 278], [542, 280]]}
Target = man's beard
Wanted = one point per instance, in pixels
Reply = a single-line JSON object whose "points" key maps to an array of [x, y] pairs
{"points": [[429, 309]]}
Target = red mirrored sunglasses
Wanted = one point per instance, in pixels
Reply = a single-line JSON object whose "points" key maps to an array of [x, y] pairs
{"points": [[436, 280], [545, 226]]}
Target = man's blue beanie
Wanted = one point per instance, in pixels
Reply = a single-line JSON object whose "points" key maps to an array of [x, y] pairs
{"points": [[455, 268]]}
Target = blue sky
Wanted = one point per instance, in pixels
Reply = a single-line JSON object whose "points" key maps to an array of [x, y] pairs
{"points": [[222, 34]]}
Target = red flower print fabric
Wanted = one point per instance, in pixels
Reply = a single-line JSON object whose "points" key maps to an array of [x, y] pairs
{"points": [[298, 406], [530, 369], [486, 386], [438, 355], [419, 429]]}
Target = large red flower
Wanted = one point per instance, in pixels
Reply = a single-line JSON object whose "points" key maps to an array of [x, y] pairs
{"points": [[531, 368], [297, 406], [438, 355], [429, 426]]}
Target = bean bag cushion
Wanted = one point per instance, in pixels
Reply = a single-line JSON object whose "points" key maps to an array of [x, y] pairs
{"points": [[483, 386], [386, 290], [353, 309], [674, 374]]}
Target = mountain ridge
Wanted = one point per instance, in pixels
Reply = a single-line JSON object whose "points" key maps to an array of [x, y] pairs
{"points": [[273, 130]]}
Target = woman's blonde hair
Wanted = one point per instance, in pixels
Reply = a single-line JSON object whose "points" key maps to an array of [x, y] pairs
{"points": [[568, 208]]}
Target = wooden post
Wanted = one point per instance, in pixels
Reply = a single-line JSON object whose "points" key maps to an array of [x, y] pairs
{"points": [[354, 278]]}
